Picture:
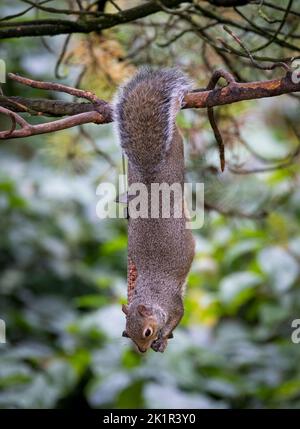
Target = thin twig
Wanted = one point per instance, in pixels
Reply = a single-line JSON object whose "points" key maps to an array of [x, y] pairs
{"points": [[96, 149], [61, 56], [249, 54], [211, 85], [88, 95]]}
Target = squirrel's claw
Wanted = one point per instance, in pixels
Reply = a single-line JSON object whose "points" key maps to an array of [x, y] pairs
{"points": [[159, 345]]}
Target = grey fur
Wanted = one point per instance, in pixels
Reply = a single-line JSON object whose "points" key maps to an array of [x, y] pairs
{"points": [[145, 111], [162, 249]]}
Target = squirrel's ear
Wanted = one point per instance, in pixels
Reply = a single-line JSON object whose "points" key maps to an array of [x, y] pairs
{"points": [[124, 334], [125, 309], [144, 311]]}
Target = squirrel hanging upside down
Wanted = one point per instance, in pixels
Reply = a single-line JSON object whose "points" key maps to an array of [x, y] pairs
{"points": [[160, 250]]}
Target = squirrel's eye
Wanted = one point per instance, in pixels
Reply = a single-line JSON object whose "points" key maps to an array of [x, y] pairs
{"points": [[148, 332]]}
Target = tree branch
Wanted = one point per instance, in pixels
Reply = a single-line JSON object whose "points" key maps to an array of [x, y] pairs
{"points": [[235, 92], [56, 87], [98, 111], [51, 27], [27, 130], [228, 3], [45, 107]]}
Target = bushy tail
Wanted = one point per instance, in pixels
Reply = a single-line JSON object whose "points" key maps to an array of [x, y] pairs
{"points": [[145, 113]]}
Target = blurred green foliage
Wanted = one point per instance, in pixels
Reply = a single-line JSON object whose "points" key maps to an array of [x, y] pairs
{"points": [[63, 278], [63, 275]]}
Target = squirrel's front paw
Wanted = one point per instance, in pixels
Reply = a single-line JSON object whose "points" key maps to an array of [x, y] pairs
{"points": [[160, 345]]}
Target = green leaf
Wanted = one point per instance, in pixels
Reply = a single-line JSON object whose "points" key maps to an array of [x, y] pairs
{"points": [[280, 267], [237, 288]]}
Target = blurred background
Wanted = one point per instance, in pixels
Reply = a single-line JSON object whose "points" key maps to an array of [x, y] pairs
{"points": [[63, 270]]}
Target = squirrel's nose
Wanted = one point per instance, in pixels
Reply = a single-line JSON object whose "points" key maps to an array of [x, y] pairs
{"points": [[142, 350]]}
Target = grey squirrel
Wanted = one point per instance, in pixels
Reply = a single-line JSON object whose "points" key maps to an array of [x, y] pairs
{"points": [[160, 250]]}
